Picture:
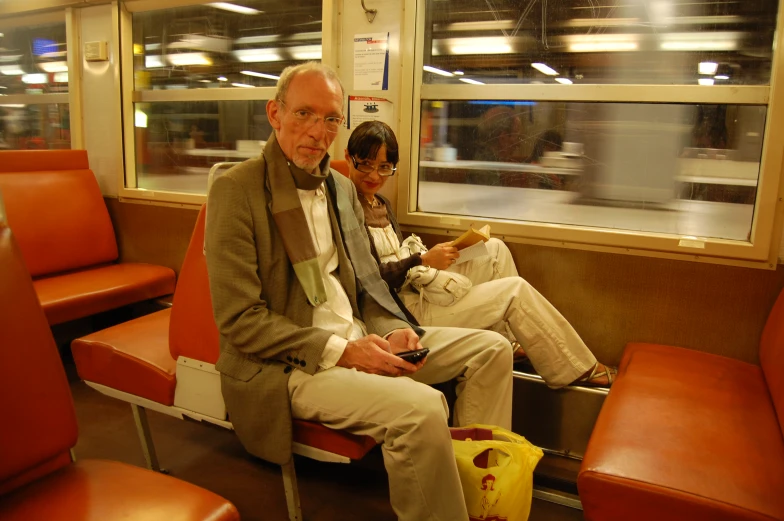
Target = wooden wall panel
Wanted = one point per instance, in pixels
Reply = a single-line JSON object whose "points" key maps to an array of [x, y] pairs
{"points": [[610, 299], [154, 234]]}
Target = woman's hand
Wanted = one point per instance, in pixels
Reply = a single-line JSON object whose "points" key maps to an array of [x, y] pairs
{"points": [[441, 256]]}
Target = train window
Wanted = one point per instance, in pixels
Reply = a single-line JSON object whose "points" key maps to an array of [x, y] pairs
{"points": [[201, 78], [636, 126], [34, 87]]}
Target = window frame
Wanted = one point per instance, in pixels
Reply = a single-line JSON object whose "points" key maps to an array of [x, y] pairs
{"points": [[128, 186], [766, 229], [72, 98]]}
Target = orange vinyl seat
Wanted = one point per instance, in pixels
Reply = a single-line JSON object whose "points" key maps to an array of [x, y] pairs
{"points": [[341, 165], [686, 435], [63, 229], [139, 357], [38, 479]]}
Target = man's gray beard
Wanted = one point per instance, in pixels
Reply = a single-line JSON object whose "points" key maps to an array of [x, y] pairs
{"points": [[307, 168]]}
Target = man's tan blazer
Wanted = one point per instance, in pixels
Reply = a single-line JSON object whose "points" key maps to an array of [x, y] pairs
{"points": [[261, 311]]}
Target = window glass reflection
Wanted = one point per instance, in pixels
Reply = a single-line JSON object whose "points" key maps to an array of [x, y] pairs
{"points": [[33, 60], [670, 168], [614, 41], [204, 46], [34, 127], [178, 142]]}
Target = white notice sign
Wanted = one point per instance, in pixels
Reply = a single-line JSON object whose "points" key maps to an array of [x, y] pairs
{"points": [[371, 61], [367, 108]]}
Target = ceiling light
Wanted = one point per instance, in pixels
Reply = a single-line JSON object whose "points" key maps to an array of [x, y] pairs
{"points": [[205, 81], [139, 119], [472, 82], [705, 81], [713, 41], [306, 52], [603, 46], [153, 62], [708, 68], [33, 79], [257, 55], [188, 58], [544, 69], [222, 78], [60, 77], [564, 81], [260, 75], [54, 66], [11, 70], [458, 73], [241, 85], [721, 77], [428, 68], [234, 8], [481, 45]]}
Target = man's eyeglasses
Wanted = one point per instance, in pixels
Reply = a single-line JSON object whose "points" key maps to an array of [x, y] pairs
{"points": [[308, 119], [384, 169]]}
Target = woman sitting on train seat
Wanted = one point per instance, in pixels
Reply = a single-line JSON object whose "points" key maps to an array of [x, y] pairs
{"points": [[498, 299]]}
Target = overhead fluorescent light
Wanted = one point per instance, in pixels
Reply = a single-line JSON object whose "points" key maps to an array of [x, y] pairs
{"points": [[188, 58], [708, 41], [434, 70], [603, 47], [227, 6], [721, 77], [54, 66], [33, 79], [205, 81], [472, 82], [260, 75], [13, 105], [564, 81], [544, 69], [11, 70], [10, 58], [60, 77], [153, 62], [242, 85], [708, 68], [458, 73], [705, 81], [139, 119], [306, 52], [257, 55], [222, 78], [480, 45]]}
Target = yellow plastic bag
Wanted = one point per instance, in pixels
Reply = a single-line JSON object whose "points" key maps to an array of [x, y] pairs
{"points": [[496, 469]]}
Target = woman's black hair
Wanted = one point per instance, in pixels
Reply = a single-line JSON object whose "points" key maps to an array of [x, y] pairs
{"points": [[367, 139]]}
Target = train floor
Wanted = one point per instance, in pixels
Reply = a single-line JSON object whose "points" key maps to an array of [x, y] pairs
{"points": [[213, 458]]}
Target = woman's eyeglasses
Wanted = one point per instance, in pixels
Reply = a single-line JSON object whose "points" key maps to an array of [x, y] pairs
{"points": [[308, 119], [384, 169]]}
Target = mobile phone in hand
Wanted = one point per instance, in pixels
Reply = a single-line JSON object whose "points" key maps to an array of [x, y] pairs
{"points": [[414, 356]]}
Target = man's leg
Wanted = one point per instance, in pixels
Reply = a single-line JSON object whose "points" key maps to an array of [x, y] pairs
{"points": [[555, 349], [408, 418], [481, 361]]}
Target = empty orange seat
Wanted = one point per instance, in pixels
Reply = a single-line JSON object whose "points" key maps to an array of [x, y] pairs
{"points": [[132, 357], [690, 436], [87, 292], [37, 477], [63, 229]]}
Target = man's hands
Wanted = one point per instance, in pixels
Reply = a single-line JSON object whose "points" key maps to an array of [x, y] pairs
{"points": [[440, 256], [372, 354]]}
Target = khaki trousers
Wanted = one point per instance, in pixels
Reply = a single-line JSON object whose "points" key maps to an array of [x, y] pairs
{"points": [[499, 295], [409, 419]]}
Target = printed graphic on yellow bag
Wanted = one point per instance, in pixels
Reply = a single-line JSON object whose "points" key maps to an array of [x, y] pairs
{"points": [[496, 474]]}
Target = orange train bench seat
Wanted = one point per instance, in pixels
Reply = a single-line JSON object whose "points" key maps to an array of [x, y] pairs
{"points": [[165, 362], [62, 226], [38, 479], [687, 435]]}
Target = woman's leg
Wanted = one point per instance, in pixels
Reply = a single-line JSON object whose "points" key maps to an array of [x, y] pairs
{"points": [[498, 265], [555, 349]]}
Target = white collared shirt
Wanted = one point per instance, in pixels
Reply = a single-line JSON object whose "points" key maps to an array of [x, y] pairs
{"points": [[335, 315]]}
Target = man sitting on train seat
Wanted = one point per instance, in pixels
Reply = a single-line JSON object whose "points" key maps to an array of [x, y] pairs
{"points": [[308, 328]]}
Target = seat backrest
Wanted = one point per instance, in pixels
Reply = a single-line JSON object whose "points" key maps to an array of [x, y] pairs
{"points": [[192, 329], [772, 356], [57, 212], [39, 423], [340, 165]]}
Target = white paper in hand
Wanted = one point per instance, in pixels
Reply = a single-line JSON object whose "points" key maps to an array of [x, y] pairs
{"points": [[472, 252]]}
